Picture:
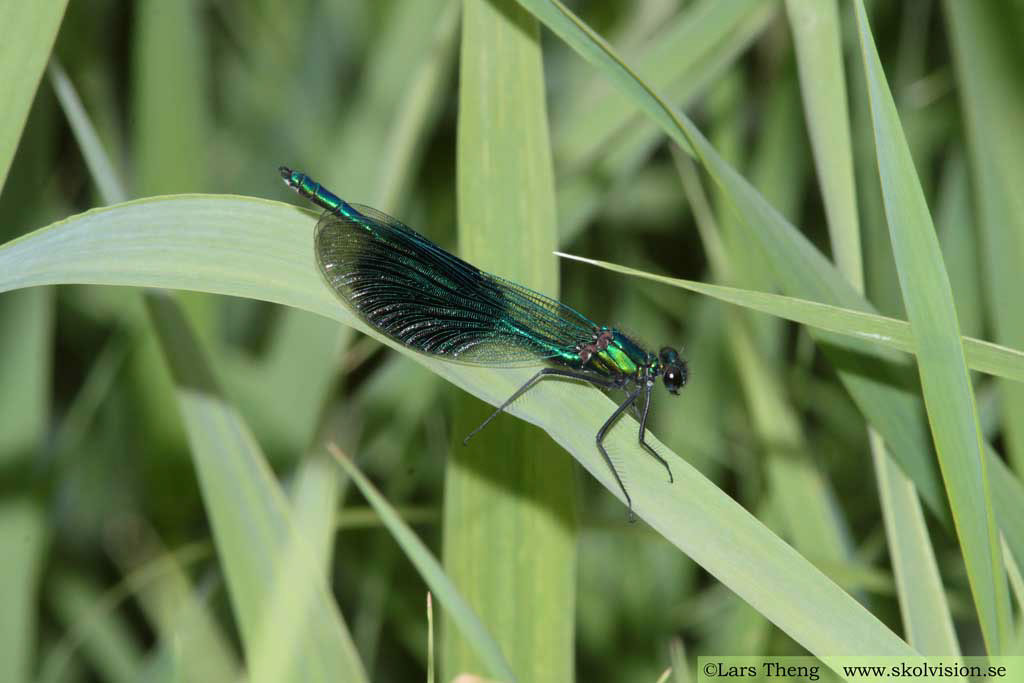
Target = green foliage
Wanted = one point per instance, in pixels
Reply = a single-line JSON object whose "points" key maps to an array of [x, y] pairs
{"points": [[167, 501]]}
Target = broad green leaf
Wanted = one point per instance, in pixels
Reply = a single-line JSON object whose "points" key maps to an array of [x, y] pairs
{"points": [[288, 618], [948, 395], [260, 249], [511, 482], [27, 33], [462, 615]]}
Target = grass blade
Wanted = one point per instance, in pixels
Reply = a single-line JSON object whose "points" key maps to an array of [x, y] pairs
{"points": [[987, 53], [815, 26], [811, 519], [797, 266], [948, 395], [105, 638], [27, 33], [873, 329], [510, 482], [26, 335], [463, 616], [171, 117], [355, 160], [23, 531], [96, 158], [800, 270], [189, 636], [923, 604], [261, 249], [672, 58], [276, 586]]}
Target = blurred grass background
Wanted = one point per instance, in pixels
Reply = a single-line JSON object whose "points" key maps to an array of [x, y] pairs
{"points": [[123, 567]]}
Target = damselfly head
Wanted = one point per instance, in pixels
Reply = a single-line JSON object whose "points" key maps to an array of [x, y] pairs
{"points": [[674, 371]]}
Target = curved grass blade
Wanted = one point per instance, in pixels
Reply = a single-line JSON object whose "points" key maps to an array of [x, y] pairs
{"points": [[620, 159], [796, 264], [676, 55], [261, 249], [880, 330], [799, 269], [596, 50]]}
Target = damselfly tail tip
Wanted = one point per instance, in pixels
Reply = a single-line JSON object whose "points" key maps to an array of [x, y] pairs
{"points": [[291, 177]]}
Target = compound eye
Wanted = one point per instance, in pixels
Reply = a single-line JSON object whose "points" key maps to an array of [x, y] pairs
{"points": [[668, 356], [675, 375], [673, 379]]}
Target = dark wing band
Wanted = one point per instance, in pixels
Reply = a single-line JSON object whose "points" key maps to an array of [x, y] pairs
{"points": [[418, 294]]}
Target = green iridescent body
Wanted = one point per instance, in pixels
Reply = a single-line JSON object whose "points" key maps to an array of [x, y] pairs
{"points": [[408, 288], [622, 356]]}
